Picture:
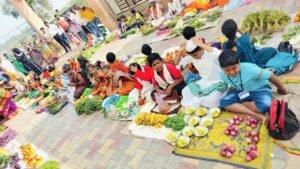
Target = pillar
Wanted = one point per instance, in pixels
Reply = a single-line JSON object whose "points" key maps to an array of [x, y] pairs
{"points": [[28, 14], [103, 12]]}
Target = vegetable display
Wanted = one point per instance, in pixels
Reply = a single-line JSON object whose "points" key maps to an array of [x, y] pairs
{"points": [[175, 122], [89, 52], [172, 23], [291, 33], [88, 105], [58, 105], [130, 32], [269, 21], [214, 15], [147, 29], [50, 165], [297, 17], [110, 37], [30, 157], [150, 119], [259, 39]]}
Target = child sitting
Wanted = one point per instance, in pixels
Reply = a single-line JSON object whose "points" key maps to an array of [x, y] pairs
{"points": [[250, 92], [114, 64]]}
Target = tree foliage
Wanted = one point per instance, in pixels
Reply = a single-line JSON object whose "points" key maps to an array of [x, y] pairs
{"points": [[40, 7]]}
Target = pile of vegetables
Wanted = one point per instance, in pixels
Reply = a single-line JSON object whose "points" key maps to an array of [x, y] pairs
{"points": [[18, 98], [293, 32], [176, 122], [50, 165], [194, 22], [269, 21], [86, 93], [110, 37], [172, 23], [259, 39], [30, 157], [88, 52], [88, 105], [130, 32], [214, 15], [150, 119], [147, 29], [57, 106]]}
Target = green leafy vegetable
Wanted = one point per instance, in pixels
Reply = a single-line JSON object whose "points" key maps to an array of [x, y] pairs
{"points": [[130, 32], [50, 165], [88, 105], [175, 122], [292, 32]]}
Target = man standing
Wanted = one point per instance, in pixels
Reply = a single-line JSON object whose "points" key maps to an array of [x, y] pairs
{"points": [[58, 36], [91, 18]]}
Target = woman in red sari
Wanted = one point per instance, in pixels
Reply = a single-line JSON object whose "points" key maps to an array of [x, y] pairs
{"points": [[8, 108]]}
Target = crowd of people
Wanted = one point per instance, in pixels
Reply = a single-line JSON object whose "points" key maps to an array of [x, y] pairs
{"points": [[230, 75]]}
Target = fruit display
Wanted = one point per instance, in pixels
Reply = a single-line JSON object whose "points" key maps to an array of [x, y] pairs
{"points": [[201, 111], [30, 157], [130, 32], [187, 110], [206, 121], [227, 151], [200, 131], [251, 153], [170, 54], [176, 122], [297, 17], [172, 137], [214, 112], [231, 130], [188, 131], [292, 33], [183, 141], [110, 37], [150, 119], [193, 121], [269, 21]]}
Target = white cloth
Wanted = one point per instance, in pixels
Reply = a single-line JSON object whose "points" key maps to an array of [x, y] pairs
{"points": [[174, 6], [209, 69], [190, 46], [8, 66], [169, 80], [208, 66], [53, 30]]}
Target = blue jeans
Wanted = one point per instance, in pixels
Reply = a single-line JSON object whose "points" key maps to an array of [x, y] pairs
{"points": [[93, 27], [82, 36], [261, 97]]}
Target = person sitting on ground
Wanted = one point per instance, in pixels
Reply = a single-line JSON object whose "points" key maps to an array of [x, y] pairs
{"points": [[250, 92], [167, 78], [8, 109], [84, 71], [76, 80], [119, 82], [114, 64], [207, 91], [174, 8], [99, 81], [156, 13], [99, 64], [143, 77], [139, 20]]}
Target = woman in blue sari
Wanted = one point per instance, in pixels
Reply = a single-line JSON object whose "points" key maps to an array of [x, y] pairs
{"points": [[267, 57]]}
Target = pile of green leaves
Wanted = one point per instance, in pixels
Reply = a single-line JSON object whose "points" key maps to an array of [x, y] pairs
{"points": [[269, 21], [89, 52], [86, 92], [194, 22], [214, 15], [175, 122], [55, 107], [259, 39], [172, 23], [88, 105], [110, 37], [292, 32], [4, 160], [147, 29], [50, 165], [130, 32]]}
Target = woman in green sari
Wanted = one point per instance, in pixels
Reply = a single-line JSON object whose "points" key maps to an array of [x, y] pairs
{"points": [[16, 63]]}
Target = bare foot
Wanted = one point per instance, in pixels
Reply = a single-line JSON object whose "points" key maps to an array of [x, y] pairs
{"points": [[265, 119]]}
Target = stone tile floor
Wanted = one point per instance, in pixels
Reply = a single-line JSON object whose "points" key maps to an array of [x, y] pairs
{"points": [[92, 142]]}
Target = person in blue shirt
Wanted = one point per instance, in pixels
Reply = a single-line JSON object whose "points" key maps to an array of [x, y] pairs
{"points": [[250, 92]]}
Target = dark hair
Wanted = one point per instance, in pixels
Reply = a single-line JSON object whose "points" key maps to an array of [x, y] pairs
{"points": [[133, 11], [122, 16], [146, 49], [65, 68], [195, 50], [110, 57], [229, 29], [106, 67], [51, 68], [228, 58], [91, 66], [152, 57], [42, 28], [188, 32], [82, 62], [98, 64], [230, 44], [135, 65]]}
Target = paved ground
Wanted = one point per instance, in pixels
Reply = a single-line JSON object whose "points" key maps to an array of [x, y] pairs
{"points": [[91, 142]]}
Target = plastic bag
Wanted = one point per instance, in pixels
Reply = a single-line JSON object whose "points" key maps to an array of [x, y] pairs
{"points": [[163, 106]]}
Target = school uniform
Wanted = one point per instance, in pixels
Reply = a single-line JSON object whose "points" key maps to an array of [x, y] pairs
{"points": [[251, 84]]}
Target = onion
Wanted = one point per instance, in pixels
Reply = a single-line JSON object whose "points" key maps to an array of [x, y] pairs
{"points": [[255, 121], [226, 132], [248, 140], [237, 122], [241, 119], [247, 133], [248, 122], [253, 147], [247, 149], [224, 147], [231, 121], [231, 149], [228, 154], [223, 153], [253, 154], [233, 133], [235, 117], [248, 117], [230, 127], [254, 133], [252, 121], [235, 128], [255, 139], [248, 158], [254, 126]]}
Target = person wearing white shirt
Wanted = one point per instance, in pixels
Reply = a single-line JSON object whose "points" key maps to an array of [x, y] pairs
{"points": [[174, 8], [57, 34]]}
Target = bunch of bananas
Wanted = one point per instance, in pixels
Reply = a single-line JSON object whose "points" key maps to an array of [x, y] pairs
{"points": [[150, 119]]}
